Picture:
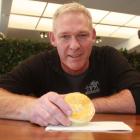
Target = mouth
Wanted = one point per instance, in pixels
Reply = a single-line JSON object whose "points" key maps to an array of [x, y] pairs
{"points": [[75, 56]]}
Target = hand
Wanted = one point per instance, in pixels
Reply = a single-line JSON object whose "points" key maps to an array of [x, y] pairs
{"points": [[50, 109]]}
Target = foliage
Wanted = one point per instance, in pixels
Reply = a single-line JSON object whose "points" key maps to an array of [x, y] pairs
{"points": [[133, 58], [12, 52]]}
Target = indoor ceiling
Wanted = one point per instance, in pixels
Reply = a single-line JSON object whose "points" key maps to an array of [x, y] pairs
{"points": [[114, 21]]}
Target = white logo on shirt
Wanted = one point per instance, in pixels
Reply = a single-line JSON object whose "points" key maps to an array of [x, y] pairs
{"points": [[93, 87]]}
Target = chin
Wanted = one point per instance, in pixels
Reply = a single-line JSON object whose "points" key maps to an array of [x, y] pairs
{"points": [[77, 67], [74, 68]]}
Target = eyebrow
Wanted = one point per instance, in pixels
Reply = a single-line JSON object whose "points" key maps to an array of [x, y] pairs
{"points": [[63, 33]]}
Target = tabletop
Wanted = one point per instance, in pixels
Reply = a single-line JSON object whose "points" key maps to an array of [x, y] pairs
{"points": [[20, 130]]}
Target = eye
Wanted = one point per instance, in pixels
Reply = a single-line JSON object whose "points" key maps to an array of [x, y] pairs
{"points": [[65, 37], [82, 36]]}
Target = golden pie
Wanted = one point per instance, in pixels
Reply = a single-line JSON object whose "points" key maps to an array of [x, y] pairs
{"points": [[82, 107]]}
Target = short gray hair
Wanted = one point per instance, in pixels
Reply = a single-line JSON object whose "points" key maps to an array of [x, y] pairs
{"points": [[72, 7]]}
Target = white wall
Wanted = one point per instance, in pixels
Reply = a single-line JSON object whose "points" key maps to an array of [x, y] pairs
{"points": [[131, 43]]}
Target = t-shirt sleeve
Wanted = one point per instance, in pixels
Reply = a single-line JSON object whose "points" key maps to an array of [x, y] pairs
{"points": [[123, 75], [25, 78]]}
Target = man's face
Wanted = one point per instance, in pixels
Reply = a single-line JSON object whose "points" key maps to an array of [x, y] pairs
{"points": [[73, 38]]}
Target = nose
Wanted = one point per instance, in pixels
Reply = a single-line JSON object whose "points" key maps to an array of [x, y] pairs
{"points": [[74, 44]]}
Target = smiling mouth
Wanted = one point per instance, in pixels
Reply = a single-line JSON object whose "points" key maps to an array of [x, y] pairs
{"points": [[75, 56]]}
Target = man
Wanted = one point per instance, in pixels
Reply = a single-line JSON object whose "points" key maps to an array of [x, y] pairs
{"points": [[34, 91]]}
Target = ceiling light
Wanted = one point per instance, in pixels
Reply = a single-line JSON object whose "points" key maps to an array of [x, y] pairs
{"points": [[114, 18], [27, 14], [45, 24], [28, 7], [50, 9], [2, 36], [22, 22], [98, 40], [97, 15], [135, 22], [43, 35], [105, 30], [124, 32]]}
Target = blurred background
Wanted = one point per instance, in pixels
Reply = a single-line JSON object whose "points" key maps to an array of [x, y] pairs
{"points": [[24, 25]]}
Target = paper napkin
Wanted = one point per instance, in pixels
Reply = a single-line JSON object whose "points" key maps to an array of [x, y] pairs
{"points": [[101, 126]]}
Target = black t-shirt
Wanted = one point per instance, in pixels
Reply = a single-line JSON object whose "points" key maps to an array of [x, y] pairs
{"points": [[108, 73]]}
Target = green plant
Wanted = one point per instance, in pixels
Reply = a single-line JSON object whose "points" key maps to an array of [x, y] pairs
{"points": [[13, 51], [133, 58]]}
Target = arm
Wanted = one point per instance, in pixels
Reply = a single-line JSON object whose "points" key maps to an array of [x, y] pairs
{"points": [[121, 102], [48, 109]]}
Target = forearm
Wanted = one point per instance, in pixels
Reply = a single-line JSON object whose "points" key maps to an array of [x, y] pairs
{"points": [[13, 106], [50, 108], [121, 102]]}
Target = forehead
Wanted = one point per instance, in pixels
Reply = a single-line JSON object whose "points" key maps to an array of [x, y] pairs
{"points": [[72, 21]]}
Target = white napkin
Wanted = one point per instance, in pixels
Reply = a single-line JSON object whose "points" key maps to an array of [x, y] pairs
{"points": [[102, 126]]}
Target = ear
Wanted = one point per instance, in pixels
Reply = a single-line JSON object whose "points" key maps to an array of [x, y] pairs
{"points": [[52, 38], [93, 35]]}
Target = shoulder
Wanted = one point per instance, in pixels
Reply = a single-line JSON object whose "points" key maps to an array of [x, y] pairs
{"points": [[41, 58], [37, 62], [106, 52], [109, 57], [104, 49]]}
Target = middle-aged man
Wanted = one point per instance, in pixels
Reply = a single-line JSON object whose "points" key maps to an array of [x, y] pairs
{"points": [[34, 90]]}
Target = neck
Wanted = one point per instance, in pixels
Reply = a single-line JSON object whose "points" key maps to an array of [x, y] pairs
{"points": [[75, 72]]}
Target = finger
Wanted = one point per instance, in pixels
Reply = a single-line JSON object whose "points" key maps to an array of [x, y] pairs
{"points": [[40, 115], [58, 100], [48, 118], [39, 121], [62, 119], [57, 113], [54, 122]]}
